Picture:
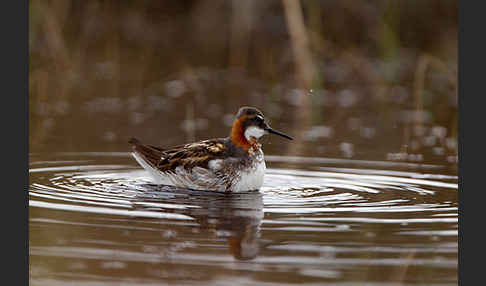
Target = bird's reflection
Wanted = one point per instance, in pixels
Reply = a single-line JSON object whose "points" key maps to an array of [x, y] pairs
{"points": [[235, 217]]}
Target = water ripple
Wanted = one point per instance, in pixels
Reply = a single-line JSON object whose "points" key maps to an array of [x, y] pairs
{"points": [[101, 211]]}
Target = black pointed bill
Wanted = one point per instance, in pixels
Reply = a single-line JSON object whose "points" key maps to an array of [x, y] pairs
{"points": [[273, 131]]}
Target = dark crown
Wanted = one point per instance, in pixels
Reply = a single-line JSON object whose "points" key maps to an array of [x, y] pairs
{"points": [[246, 110]]}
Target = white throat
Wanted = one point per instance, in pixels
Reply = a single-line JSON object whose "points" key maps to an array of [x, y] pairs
{"points": [[254, 131]]}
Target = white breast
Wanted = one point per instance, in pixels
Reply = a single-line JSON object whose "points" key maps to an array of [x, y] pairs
{"points": [[251, 179]]}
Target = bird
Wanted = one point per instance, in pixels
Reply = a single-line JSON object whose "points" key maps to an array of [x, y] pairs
{"points": [[232, 164]]}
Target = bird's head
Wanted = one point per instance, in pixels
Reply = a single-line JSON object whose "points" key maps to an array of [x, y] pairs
{"points": [[249, 125]]}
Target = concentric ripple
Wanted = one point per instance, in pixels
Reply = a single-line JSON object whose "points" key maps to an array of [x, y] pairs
{"points": [[314, 222]]}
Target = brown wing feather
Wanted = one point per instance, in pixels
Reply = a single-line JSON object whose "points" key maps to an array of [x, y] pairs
{"points": [[188, 155], [150, 153]]}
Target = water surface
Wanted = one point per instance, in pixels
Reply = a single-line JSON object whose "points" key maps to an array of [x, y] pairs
{"points": [[96, 218]]}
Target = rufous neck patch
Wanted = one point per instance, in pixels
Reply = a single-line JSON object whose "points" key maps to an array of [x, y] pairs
{"points": [[238, 134]]}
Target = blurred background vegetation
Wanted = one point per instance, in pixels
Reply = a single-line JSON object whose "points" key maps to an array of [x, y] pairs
{"points": [[370, 80]]}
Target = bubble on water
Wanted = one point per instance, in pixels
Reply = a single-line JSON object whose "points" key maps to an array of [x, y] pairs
{"points": [[415, 157], [316, 132], [439, 131], [169, 234], [175, 88], [347, 98], [48, 123], [451, 143], [109, 136], [342, 227], [347, 149], [430, 140], [370, 234], [113, 265], [396, 156], [439, 151], [452, 159], [223, 233], [367, 132]]}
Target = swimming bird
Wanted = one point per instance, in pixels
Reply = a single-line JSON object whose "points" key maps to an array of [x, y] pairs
{"points": [[232, 164]]}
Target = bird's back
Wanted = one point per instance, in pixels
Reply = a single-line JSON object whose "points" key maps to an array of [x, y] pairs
{"points": [[213, 164]]}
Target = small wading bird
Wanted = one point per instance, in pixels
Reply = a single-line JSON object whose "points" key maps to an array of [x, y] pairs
{"points": [[231, 164]]}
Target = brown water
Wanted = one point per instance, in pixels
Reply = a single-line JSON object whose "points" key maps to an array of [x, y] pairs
{"points": [[96, 218], [367, 193]]}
